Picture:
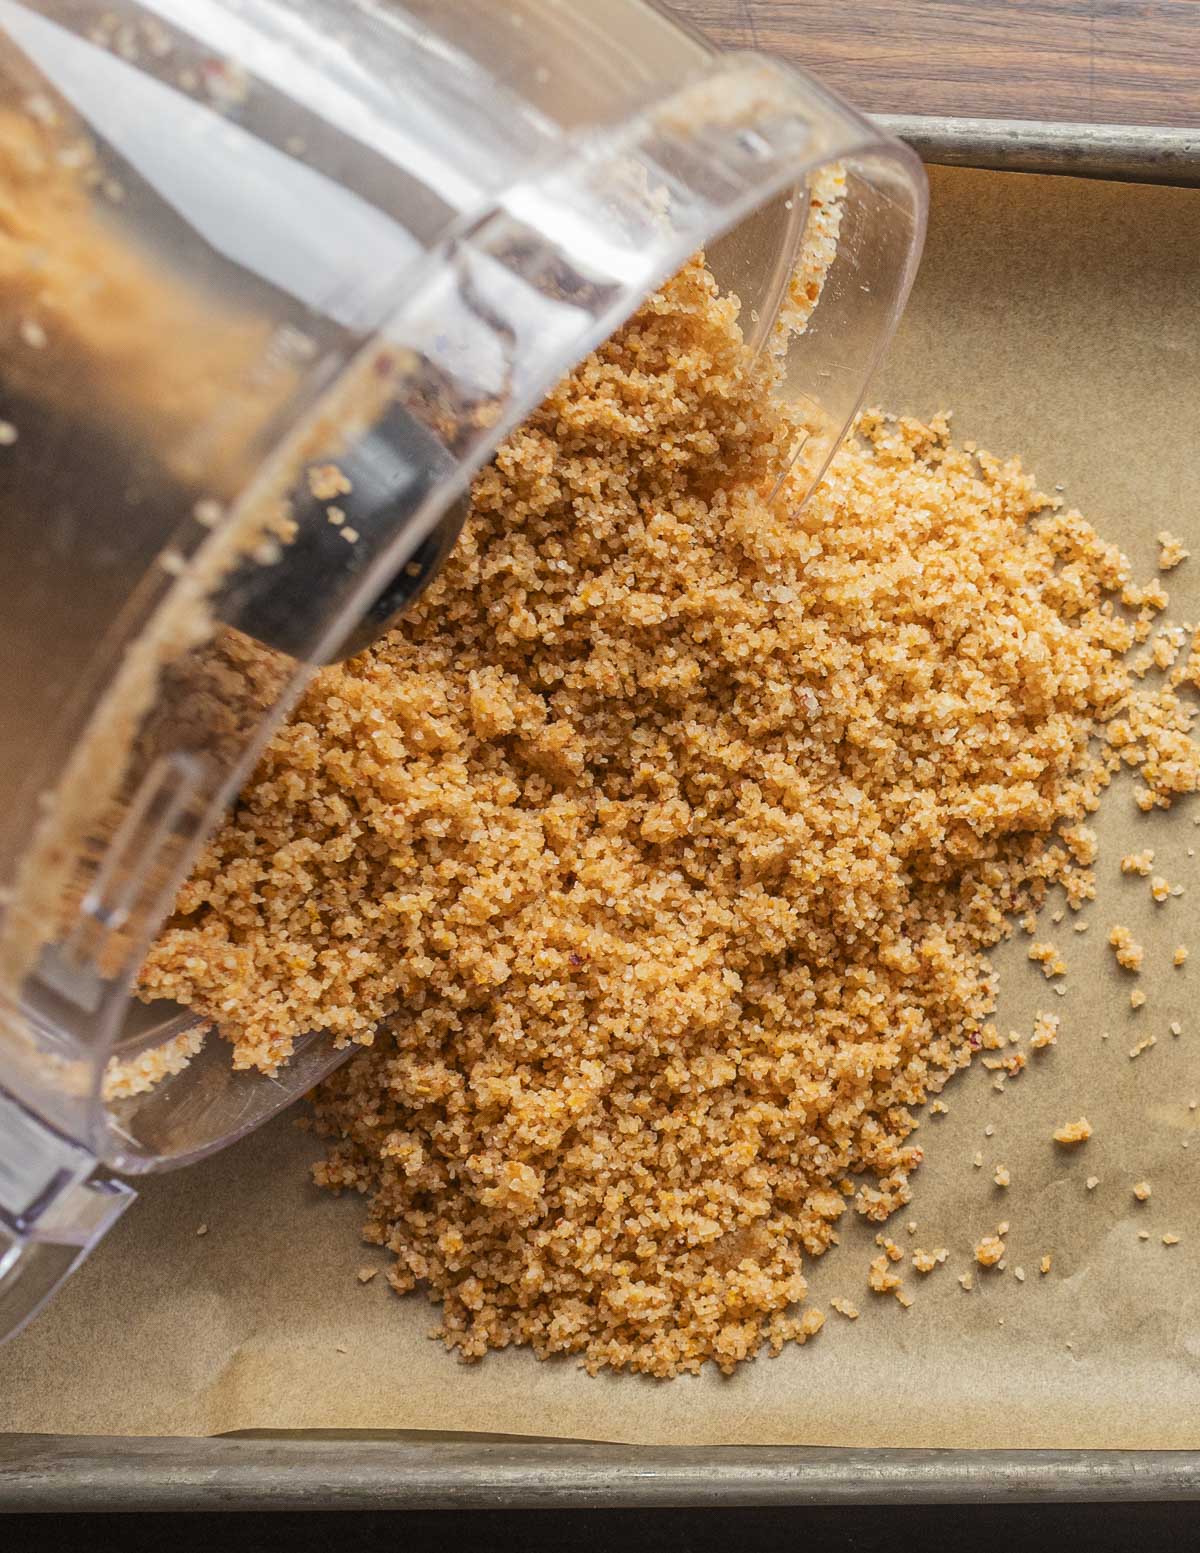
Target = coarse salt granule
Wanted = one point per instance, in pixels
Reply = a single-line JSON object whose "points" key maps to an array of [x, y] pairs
{"points": [[1171, 551], [1129, 953]]}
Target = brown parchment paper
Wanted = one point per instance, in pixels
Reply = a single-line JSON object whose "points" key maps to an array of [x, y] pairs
{"points": [[1060, 319]]}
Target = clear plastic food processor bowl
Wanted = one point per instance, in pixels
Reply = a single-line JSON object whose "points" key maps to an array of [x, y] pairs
{"points": [[276, 276]]}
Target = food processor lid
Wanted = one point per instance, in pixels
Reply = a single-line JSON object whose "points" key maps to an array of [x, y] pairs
{"points": [[289, 275]]}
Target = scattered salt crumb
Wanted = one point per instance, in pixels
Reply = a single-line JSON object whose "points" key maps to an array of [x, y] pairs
{"points": [[911, 1226], [39, 107], [208, 513], [267, 552], [1143, 1234], [326, 481], [350, 535], [989, 1130], [966, 1280], [1044, 1265], [989, 1251], [74, 157], [8, 434], [1001, 1176], [1057, 916], [336, 515], [903, 1298], [1170, 1240], [1141, 1191], [1019, 1274], [1080, 927], [939, 1108], [1171, 551], [881, 1278], [978, 1161], [1137, 998], [226, 84], [1092, 1183], [890, 1249], [1143, 1045], [926, 1261], [1138, 862], [1180, 954], [1002, 1227], [1048, 957], [1045, 1030], [1073, 1132], [1159, 888], [845, 1308], [1129, 953], [202, 1229], [340, 1349], [1175, 1027], [365, 1274]]}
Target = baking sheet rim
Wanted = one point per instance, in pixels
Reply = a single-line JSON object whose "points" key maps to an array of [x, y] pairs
{"points": [[55, 1473]]}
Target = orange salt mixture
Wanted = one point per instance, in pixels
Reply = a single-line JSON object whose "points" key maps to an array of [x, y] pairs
{"points": [[653, 857]]}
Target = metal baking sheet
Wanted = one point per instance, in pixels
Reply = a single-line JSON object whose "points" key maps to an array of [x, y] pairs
{"points": [[57, 1473], [53, 1473], [1118, 151]]}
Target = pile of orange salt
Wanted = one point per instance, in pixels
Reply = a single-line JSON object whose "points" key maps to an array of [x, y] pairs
{"points": [[653, 858]]}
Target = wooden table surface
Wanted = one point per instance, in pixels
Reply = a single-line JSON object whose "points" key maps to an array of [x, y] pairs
{"points": [[1092, 61]]}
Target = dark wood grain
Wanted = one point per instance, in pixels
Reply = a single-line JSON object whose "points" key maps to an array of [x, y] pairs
{"points": [[1095, 61]]}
